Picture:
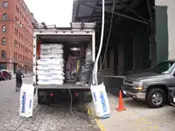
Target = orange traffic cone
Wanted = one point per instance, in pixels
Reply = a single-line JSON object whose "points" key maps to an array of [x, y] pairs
{"points": [[121, 104]]}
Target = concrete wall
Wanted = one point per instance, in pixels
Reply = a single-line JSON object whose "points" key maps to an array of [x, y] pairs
{"points": [[107, 70], [140, 47], [161, 22], [171, 25], [132, 52]]}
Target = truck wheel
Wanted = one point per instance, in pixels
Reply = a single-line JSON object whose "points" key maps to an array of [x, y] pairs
{"points": [[40, 99], [156, 98]]}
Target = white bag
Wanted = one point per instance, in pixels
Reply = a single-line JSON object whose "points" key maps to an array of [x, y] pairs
{"points": [[50, 82], [51, 67], [51, 77], [53, 56], [26, 100], [48, 46], [50, 72], [101, 101], [50, 61], [49, 52]]}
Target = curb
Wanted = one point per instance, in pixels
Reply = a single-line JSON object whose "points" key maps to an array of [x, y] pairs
{"points": [[97, 121], [24, 76]]}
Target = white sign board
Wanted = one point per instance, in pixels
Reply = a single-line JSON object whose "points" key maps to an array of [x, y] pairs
{"points": [[26, 100], [101, 102]]}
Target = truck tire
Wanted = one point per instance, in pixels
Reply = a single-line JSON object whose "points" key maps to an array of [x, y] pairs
{"points": [[40, 102], [156, 98], [40, 99]]}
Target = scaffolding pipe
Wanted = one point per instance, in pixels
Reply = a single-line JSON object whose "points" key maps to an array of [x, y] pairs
{"points": [[132, 10], [119, 14]]}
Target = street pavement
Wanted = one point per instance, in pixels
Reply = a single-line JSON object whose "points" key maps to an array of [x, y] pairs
{"points": [[56, 117]]}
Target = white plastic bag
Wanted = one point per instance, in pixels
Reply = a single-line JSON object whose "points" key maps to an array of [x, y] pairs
{"points": [[50, 72], [54, 45], [51, 67], [51, 77], [101, 101], [50, 82], [53, 56], [26, 100], [50, 61]]}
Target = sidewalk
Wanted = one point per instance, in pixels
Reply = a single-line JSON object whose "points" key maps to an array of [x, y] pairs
{"points": [[25, 75], [137, 117]]}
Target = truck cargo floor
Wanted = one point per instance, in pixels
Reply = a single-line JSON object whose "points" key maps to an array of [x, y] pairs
{"points": [[64, 86]]}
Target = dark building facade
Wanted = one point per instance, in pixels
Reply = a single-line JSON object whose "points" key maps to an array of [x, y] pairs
{"points": [[16, 35]]}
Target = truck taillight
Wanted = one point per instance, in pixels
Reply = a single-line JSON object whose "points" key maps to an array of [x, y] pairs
{"points": [[51, 94], [76, 94]]}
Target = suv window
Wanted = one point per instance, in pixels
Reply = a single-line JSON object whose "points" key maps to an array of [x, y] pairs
{"points": [[163, 66]]}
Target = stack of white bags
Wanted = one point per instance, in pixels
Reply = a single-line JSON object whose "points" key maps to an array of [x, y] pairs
{"points": [[50, 68]]}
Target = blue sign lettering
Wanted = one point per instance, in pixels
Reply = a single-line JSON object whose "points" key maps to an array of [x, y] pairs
{"points": [[23, 101], [103, 102], [30, 104], [95, 98]]}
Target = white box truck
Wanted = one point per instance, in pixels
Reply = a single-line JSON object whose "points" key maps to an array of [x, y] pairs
{"points": [[75, 41]]}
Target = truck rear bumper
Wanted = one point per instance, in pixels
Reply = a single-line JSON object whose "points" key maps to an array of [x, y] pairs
{"points": [[53, 95], [64, 86]]}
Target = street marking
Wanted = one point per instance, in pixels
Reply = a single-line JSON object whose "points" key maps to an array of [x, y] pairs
{"points": [[97, 121], [100, 125], [140, 122]]}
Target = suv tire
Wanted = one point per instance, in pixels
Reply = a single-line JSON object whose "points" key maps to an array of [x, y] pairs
{"points": [[156, 98]]}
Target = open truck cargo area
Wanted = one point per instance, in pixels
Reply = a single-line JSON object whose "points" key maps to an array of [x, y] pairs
{"points": [[75, 44]]}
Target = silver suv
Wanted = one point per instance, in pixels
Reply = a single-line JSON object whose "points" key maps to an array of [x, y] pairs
{"points": [[153, 85]]}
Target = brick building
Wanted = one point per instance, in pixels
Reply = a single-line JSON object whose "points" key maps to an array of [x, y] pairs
{"points": [[16, 35]]}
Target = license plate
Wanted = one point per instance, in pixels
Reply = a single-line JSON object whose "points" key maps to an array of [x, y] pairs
{"points": [[174, 99]]}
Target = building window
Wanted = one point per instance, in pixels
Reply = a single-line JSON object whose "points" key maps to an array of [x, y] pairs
{"points": [[4, 17], [4, 28], [16, 31], [15, 43], [17, 8], [5, 4], [4, 41], [3, 54], [3, 66], [16, 18]]}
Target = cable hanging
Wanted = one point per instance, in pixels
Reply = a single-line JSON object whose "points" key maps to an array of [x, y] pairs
{"points": [[101, 43], [109, 34]]}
